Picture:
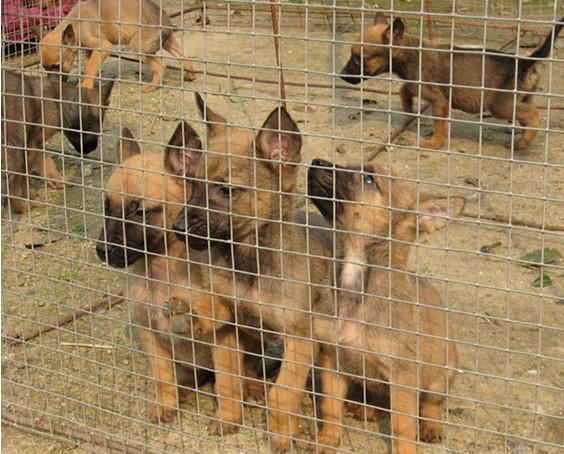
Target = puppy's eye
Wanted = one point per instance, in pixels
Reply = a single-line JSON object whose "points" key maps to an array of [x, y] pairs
{"points": [[225, 191], [369, 180]]}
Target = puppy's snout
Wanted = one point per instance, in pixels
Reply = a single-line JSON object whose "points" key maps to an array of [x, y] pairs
{"points": [[102, 251], [180, 224]]}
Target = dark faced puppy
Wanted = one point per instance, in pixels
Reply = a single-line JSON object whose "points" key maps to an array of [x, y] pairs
{"points": [[34, 109], [383, 312], [143, 198], [479, 80]]}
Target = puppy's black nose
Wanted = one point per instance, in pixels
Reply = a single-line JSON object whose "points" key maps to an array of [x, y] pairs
{"points": [[101, 251]]}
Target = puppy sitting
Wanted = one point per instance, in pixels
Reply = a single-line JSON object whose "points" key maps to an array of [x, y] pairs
{"points": [[98, 25], [139, 205], [391, 326], [142, 200], [382, 46]]}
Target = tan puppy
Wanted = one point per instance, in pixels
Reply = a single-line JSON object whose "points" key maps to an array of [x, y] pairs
{"points": [[373, 55], [98, 25], [143, 198], [242, 211], [391, 326]]}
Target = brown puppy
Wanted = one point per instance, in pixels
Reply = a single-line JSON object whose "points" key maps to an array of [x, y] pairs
{"points": [[143, 199], [242, 211], [98, 25], [33, 110], [383, 45], [391, 325]]}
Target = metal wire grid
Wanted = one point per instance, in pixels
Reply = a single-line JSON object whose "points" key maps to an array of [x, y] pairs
{"points": [[89, 376]]}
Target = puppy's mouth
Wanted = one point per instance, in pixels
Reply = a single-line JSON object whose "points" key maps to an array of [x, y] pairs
{"points": [[320, 187], [352, 74]]}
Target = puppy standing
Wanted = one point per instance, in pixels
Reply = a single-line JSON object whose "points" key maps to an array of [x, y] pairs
{"points": [[98, 25], [143, 198], [34, 109], [242, 209], [471, 70], [391, 325]]}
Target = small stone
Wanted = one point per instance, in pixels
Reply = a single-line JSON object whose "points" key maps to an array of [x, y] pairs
{"points": [[340, 149], [125, 362], [41, 303], [87, 171]]}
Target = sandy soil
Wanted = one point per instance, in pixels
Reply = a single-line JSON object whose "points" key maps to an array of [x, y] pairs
{"points": [[507, 397]]}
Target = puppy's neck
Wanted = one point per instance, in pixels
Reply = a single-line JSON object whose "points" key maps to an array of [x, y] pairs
{"points": [[405, 60]]}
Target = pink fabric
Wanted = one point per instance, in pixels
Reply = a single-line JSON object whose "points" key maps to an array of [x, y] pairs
{"points": [[18, 21]]}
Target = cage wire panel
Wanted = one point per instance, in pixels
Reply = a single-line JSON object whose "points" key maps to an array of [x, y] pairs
{"points": [[225, 274]]}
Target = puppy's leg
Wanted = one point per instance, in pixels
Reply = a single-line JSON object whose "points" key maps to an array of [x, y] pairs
{"points": [[158, 67], [15, 179], [528, 115], [403, 404], [228, 383], [162, 371], [173, 47], [254, 387], [525, 113], [334, 387], [285, 395], [440, 126], [98, 51], [406, 99], [45, 166], [431, 412]]}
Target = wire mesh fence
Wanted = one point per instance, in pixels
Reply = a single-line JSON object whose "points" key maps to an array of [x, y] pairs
{"points": [[260, 226]]}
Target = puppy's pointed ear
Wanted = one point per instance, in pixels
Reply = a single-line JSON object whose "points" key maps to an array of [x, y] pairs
{"points": [[380, 18], [398, 28], [68, 37], [183, 150], [215, 123], [127, 146], [279, 138], [434, 213]]}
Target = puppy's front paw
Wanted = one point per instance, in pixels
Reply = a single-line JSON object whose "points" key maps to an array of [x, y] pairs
{"points": [[432, 143], [363, 412], [159, 413], [178, 311], [217, 427], [150, 88], [431, 432], [254, 392]]}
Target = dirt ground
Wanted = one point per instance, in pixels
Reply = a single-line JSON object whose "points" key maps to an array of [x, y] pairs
{"points": [[508, 395]]}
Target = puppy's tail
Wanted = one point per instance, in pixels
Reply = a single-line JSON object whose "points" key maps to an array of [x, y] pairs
{"points": [[543, 51]]}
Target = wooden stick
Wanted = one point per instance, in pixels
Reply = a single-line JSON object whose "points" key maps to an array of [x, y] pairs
{"points": [[106, 301], [429, 9], [395, 135], [72, 432], [186, 11], [479, 23], [276, 33], [515, 222]]}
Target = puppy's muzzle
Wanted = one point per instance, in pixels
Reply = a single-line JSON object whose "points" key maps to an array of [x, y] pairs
{"points": [[351, 73]]}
